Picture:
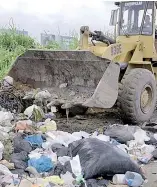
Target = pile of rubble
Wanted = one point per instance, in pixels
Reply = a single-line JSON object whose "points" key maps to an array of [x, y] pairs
{"points": [[34, 153]]}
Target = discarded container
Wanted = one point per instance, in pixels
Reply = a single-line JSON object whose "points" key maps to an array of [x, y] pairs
{"points": [[1, 150], [119, 179], [133, 179]]}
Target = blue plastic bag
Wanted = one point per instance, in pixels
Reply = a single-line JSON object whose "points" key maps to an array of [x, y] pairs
{"points": [[35, 140], [42, 164]]}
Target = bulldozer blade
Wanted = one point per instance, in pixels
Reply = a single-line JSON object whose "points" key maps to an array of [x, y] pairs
{"points": [[106, 93], [79, 71]]}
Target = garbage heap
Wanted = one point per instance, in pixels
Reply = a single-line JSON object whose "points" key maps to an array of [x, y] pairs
{"points": [[34, 153]]}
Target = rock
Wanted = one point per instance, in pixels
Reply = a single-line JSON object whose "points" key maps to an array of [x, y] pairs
{"points": [[7, 82], [43, 95], [64, 85], [72, 93]]}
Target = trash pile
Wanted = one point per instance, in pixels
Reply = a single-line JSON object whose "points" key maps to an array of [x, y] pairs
{"points": [[34, 153]]}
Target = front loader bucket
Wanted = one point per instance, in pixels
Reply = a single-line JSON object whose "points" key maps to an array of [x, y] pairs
{"points": [[80, 70]]}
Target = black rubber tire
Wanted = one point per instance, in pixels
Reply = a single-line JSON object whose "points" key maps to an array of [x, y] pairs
{"points": [[130, 93]]}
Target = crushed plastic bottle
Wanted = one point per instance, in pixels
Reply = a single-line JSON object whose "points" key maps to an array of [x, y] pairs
{"points": [[133, 179]]}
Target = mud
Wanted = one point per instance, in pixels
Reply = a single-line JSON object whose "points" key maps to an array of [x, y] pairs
{"points": [[90, 122]]}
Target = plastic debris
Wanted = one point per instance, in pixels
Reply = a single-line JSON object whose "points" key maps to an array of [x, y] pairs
{"points": [[35, 140], [54, 180], [68, 179], [119, 179], [4, 170], [76, 166], [7, 164], [42, 164], [63, 159], [133, 179], [34, 112], [89, 150], [24, 125], [49, 125], [121, 133], [5, 117]]}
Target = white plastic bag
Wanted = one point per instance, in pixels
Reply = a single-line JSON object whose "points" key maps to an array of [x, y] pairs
{"points": [[76, 166], [5, 116], [4, 170], [141, 136], [103, 137], [63, 159], [61, 137], [68, 179]]}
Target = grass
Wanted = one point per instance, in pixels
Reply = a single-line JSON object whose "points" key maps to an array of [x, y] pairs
{"points": [[12, 45]]}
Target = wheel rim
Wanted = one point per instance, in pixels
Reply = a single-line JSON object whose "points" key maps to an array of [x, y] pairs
{"points": [[146, 99]]}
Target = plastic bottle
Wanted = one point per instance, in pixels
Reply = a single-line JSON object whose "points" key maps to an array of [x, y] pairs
{"points": [[119, 179], [133, 179]]}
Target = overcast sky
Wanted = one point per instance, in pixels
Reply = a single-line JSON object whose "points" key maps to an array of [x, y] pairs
{"points": [[56, 16]]}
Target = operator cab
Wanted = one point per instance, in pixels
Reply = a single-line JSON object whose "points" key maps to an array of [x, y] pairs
{"points": [[136, 18]]}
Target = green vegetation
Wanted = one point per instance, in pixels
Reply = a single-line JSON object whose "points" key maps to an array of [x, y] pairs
{"points": [[12, 45]]}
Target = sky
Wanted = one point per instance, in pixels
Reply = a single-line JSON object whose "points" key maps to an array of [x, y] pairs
{"points": [[55, 16]]}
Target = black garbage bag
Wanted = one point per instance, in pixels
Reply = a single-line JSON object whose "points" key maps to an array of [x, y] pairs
{"points": [[97, 183], [20, 144], [152, 140], [20, 172], [20, 160], [60, 150], [100, 159], [121, 133], [59, 169]]}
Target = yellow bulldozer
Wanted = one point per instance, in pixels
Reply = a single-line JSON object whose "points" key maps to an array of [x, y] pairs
{"points": [[103, 72]]}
